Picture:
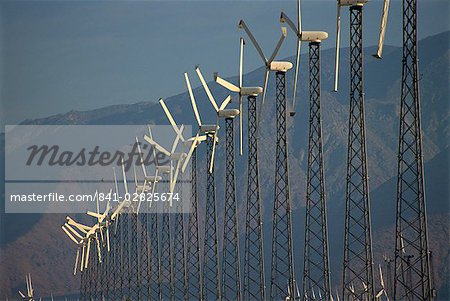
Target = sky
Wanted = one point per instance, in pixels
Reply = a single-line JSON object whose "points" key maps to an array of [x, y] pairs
{"points": [[56, 56]]}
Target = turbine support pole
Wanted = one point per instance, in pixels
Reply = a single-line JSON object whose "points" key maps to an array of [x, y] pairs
{"points": [[412, 254], [193, 243], [358, 260], [282, 283], [210, 276], [231, 278], [254, 281], [316, 269]]}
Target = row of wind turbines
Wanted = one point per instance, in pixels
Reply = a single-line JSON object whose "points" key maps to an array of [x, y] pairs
{"points": [[95, 242]]}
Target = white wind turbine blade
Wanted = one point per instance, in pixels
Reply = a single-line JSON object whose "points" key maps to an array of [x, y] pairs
{"points": [[211, 166], [141, 155], [241, 63], [31, 286], [171, 120], [107, 239], [266, 79], [299, 17], [124, 175], [177, 139], [175, 177], [241, 60], [193, 102], [22, 295], [69, 234], [116, 186], [28, 286], [286, 19], [383, 25], [135, 178], [226, 84], [81, 227], [88, 250], [206, 88], [338, 45], [254, 42], [191, 150], [381, 276], [297, 64], [225, 102], [73, 231], [77, 257], [83, 248], [154, 144], [280, 42]]}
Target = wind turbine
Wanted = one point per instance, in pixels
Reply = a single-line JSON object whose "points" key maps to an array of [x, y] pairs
{"points": [[316, 264], [231, 289], [30, 291], [210, 275], [243, 91], [221, 111], [282, 268], [270, 63]]}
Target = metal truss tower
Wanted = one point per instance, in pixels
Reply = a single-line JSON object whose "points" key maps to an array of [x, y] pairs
{"points": [[125, 251], [412, 255], [210, 273], [144, 257], [166, 257], [316, 269], [231, 278], [179, 249], [358, 260], [116, 259], [193, 241], [282, 270], [254, 282], [134, 281], [155, 258]]}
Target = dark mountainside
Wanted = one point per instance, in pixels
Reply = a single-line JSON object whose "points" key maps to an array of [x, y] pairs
{"points": [[36, 244]]}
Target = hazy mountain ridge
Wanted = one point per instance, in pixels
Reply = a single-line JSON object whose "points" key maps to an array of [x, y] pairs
{"points": [[52, 256]]}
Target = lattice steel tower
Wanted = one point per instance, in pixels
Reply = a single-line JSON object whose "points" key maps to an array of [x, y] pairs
{"points": [[179, 248], [254, 282], [193, 241], [316, 269], [231, 278], [358, 260], [412, 256], [210, 273], [282, 270]]}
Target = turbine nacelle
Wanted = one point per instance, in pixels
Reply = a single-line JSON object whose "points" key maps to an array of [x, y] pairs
{"points": [[165, 169], [209, 128], [313, 36], [280, 66], [153, 179], [228, 113], [251, 91], [352, 2]]}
